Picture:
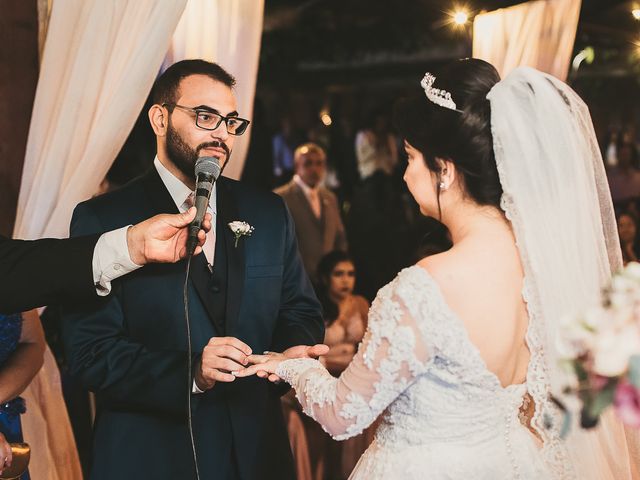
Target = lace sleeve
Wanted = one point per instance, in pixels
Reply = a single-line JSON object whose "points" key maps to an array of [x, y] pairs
{"points": [[391, 356]]}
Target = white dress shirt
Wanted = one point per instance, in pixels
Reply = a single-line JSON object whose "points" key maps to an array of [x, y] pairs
{"points": [[312, 194], [111, 259], [182, 197]]}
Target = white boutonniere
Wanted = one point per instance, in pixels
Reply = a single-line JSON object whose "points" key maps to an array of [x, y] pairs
{"points": [[240, 229]]}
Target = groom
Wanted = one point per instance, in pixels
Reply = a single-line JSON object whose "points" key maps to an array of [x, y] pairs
{"points": [[246, 296]]}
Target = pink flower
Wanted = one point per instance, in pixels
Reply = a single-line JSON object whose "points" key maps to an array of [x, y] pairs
{"points": [[598, 382], [627, 404]]}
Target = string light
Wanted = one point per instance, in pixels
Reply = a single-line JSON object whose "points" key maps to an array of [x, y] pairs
{"points": [[636, 13], [325, 117], [460, 17]]}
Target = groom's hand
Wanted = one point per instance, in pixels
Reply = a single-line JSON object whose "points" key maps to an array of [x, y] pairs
{"points": [[220, 357]]}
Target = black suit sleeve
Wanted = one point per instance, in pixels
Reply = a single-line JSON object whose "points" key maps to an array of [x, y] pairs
{"points": [[107, 360], [300, 319], [45, 272]]}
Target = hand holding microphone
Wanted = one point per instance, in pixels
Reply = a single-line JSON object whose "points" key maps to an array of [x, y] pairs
{"points": [[163, 238]]}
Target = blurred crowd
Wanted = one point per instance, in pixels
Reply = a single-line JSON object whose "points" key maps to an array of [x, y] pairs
{"points": [[620, 154]]}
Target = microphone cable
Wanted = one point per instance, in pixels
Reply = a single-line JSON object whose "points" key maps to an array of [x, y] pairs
{"points": [[190, 379]]}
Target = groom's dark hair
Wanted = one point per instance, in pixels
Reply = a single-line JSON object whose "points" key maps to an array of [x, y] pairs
{"points": [[463, 137], [166, 85]]}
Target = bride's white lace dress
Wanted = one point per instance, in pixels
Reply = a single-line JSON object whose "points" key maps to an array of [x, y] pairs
{"points": [[444, 414]]}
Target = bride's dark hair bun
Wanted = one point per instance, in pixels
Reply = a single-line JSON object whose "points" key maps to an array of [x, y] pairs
{"points": [[463, 138]]}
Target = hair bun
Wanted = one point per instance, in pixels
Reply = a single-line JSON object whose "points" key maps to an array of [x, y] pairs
{"points": [[464, 138]]}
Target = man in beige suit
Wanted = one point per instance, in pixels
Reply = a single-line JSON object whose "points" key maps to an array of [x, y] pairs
{"points": [[314, 208]]}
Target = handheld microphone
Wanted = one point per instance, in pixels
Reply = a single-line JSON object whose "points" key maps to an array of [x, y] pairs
{"points": [[207, 171]]}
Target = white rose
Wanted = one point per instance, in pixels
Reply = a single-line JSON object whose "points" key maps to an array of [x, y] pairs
{"points": [[595, 319], [620, 299], [239, 227], [623, 284], [620, 317], [612, 350], [632, 270], [576, 337]]}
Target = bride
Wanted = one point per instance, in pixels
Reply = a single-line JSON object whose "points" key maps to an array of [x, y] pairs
{"points": [[460, 354]]}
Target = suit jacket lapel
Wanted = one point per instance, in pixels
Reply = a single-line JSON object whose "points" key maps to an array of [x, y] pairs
{"points": [[228, 211], [201, 280], [160, 197], [323, 210]]}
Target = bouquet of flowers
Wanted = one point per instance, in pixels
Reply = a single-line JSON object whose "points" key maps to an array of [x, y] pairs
{"points": [[602, 350]]}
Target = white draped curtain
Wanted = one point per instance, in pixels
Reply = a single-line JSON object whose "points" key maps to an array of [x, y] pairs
{"points": [[538, 34], [99, 62], [227, 32]]}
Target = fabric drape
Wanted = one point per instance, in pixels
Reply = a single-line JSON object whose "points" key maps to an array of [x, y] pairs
{"points": [[100, 60], [538, 34]]}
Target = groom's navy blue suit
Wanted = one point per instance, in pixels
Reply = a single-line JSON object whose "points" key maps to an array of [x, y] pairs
{"points": [[130, 347]]}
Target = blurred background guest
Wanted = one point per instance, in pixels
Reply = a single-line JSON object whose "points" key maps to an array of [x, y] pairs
{"points": [[317, 455], [624, 178], [314, 208], [284, 143], [376, 146], [627, 230], [609, 146], [345, 316]]}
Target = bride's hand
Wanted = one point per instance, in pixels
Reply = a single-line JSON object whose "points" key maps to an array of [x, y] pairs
{"points": [[265, 366]]}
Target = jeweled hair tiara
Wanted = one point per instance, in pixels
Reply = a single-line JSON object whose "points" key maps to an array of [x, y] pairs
{"points": [[437, 96]]}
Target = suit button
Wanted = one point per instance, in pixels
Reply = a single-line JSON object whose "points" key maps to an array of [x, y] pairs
{"points": [[215, 288]]}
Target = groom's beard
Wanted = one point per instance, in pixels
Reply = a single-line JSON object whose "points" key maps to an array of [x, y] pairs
{"points": [[184, 157]]}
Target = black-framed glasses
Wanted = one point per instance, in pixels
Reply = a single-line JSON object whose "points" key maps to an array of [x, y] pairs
{"points": [[210, 120]]}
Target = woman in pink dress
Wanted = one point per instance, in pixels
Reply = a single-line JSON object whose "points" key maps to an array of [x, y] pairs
{"points": [[345, 316]]}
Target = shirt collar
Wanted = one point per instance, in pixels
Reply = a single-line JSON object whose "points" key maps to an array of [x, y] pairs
{"points": [[179, 191], [305, 188]]}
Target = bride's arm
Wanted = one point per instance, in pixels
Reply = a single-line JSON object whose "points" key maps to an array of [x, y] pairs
{"points": [[393, 353]]}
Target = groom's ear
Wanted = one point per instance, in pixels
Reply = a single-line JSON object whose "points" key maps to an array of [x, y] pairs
{"points": [[158, 119]]}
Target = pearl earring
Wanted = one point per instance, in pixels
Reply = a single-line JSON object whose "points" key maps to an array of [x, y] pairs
{"points": [[442, 186]]}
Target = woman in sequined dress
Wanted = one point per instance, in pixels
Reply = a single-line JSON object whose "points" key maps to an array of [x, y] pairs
{"points": [[21, 356]]}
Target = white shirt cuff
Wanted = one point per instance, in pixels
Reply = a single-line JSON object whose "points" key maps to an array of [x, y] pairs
{"points": [[111, 259], [195, 388]]}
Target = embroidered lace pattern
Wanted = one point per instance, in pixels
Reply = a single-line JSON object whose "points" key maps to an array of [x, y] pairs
{"points": [[439, 403]]}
